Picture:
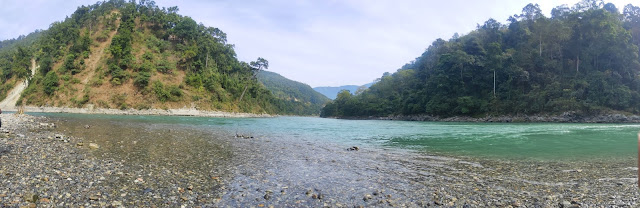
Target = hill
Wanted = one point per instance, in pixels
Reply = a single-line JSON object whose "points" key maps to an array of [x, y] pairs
{"points": [[117, 54], [299, 97], [582, 59], [332, 92]]}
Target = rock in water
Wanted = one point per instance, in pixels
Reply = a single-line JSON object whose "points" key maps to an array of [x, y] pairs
{"points": [[94, 146], [354, 148]]}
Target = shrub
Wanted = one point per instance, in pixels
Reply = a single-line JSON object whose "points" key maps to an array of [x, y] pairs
{"points": [[164, 66], [142, 79], [50, 83], [147, 56], [117, 74], [194, 80], [161, 93], [176, 93], [119, 100]]}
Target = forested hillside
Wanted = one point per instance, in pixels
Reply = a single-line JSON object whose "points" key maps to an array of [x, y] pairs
{"points": [[118, 54], [15, 61], [582, 59], [299, 98]]}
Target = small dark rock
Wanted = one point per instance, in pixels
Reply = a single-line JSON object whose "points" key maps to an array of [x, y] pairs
{"points": [[354, 148], [4, 150], [147, 190]]}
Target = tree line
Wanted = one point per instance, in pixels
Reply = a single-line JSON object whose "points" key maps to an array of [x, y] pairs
{"points": [[583, 59]]}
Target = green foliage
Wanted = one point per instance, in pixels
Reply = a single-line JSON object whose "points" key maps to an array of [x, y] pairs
{"points": [[46, 65], [147, 56], [142, 79], [167, 93], [50, 83], [582, 59], [157, 45], [118, 75], [175, 92], [69, 64], [161, 94], [164, 66], [194, 80], [294, 97], [148, 39]]}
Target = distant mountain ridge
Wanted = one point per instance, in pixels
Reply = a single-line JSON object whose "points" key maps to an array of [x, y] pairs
{"points": [[332, 92], [299, 97]]}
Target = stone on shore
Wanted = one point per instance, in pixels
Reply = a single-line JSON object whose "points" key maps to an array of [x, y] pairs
{"points": [[94, 146]]}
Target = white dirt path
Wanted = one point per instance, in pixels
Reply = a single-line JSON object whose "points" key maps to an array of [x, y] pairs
{"points": [[9, 103]]}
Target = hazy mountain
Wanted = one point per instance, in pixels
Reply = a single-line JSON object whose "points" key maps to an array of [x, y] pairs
{"points": [[299, 97], [332, 92]]}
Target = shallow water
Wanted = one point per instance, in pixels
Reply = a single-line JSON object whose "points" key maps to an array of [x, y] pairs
{"points": [[537, 141], [304, 162]]}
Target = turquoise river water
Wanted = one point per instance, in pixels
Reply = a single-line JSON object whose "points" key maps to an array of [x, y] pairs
{"points": [[512, 141]]}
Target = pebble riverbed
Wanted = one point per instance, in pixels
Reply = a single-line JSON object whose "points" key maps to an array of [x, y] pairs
{"points": [[65, 163]]}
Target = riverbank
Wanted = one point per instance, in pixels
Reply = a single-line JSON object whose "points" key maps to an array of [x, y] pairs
{"points": [[567, 117], [160, 112], [44, 165], [83, 162]]}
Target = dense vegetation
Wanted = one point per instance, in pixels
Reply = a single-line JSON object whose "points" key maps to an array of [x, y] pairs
{"points": [[15, 60], [118, 54], [300, 98], [582, 59]]}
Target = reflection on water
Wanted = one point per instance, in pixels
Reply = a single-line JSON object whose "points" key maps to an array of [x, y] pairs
{"points": [[540, 141], [145, 143]]}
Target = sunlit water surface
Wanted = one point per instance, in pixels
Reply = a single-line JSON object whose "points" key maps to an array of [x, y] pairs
{"points": [[512, 141]]}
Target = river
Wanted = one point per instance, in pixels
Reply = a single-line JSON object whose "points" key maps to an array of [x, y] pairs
{"points": [[305, 161]]}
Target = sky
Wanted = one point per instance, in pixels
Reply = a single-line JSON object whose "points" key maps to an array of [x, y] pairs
{"points": [[317, 42]]}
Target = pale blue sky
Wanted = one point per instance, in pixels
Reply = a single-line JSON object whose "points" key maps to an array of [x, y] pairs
{"points": [[318, 42]]}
